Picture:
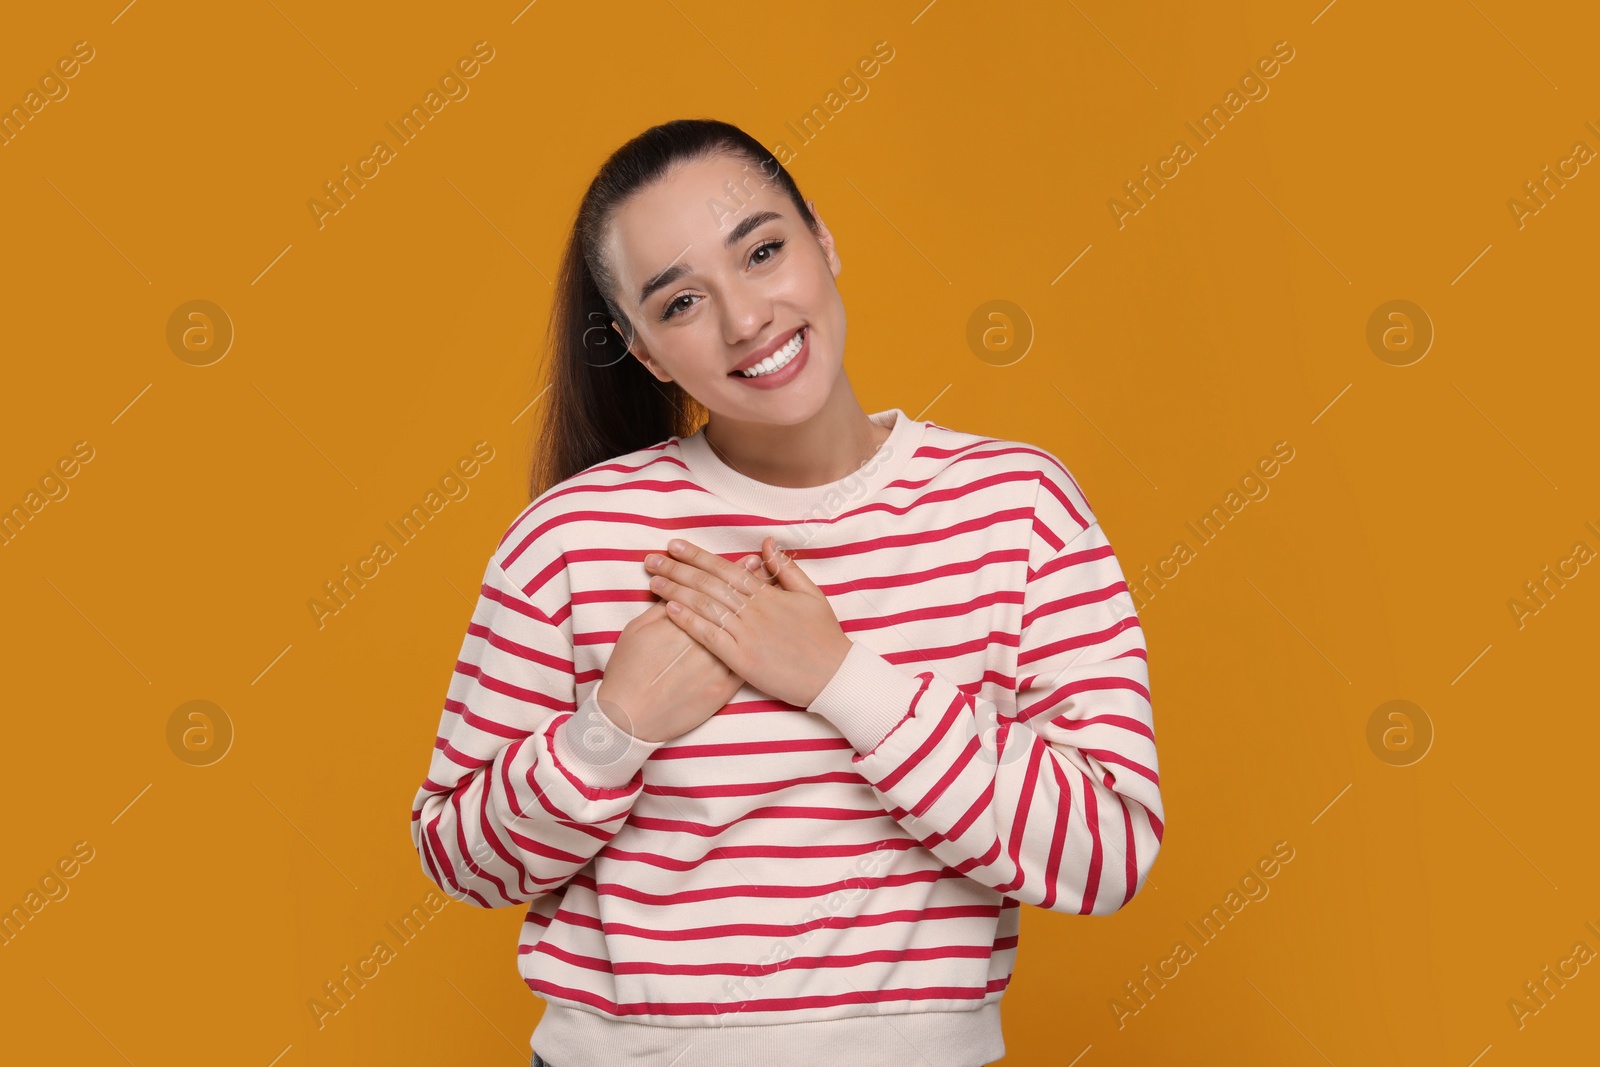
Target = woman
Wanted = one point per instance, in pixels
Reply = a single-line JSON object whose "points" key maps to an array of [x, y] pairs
{"points": [[890, 688]]}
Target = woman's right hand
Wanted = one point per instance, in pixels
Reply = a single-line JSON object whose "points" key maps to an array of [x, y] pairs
{"points": [[660, 682]]}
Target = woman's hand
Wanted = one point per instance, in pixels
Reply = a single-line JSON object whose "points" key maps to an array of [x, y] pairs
{"points": [[782, 637], [660, 684]]}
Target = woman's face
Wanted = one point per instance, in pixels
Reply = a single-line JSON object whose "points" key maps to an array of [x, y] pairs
{"points": [[705, 290]]}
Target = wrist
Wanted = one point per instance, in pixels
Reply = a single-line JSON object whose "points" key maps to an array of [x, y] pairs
{"points": [[627, 715]]}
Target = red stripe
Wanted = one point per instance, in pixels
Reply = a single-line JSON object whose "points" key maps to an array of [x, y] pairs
{"points": [[1091, 819], [1085, 640], [1065, 719], [915, 916], [1130, 871], [1105, 755], [679, 897], [754, 970], [1073, 600], [465, 850], [946, 722], [1058, 837], [763, 1004], [1030, 782], [800, 813], [673, 863]]}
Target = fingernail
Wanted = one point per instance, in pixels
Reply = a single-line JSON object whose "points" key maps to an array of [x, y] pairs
{"points": [[676, 546]]}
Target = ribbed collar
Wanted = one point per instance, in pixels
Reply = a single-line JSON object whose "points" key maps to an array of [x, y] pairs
{"points": [[813, 501]]}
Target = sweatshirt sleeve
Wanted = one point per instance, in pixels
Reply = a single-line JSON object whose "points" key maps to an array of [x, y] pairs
{"points": [[1056, 802], [525, 784]]}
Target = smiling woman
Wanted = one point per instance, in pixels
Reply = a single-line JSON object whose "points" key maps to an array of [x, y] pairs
{"points": [[764, 806], [701, 275]]}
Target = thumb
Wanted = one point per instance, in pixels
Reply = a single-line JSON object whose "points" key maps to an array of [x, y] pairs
{"points": [[789, 574]]}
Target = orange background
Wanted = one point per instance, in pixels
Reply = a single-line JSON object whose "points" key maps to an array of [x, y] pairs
{"points": [[1230, 313]]}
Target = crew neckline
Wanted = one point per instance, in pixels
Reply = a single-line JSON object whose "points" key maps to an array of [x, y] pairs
{"points": [[784, 502]]}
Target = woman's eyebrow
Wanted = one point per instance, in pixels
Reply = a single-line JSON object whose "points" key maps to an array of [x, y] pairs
{"points": [[678, 270]]}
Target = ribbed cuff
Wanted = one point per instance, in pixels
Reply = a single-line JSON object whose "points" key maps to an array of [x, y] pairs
{"points": [[866, 697], [596, 750]]}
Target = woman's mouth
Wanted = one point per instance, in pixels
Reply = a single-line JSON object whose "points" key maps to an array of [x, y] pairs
{"points": [[779, 363]]}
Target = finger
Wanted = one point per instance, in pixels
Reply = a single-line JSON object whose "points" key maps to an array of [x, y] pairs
{"points": [[788, 572], [729, 572], [713, 609], [715, 639], [668, 573], [729, 582]]}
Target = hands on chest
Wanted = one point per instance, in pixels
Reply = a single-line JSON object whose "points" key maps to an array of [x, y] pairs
{"points": [[763, 617]]}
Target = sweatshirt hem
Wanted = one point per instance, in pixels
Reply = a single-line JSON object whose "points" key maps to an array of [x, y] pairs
{"points": [[571, 1036]]}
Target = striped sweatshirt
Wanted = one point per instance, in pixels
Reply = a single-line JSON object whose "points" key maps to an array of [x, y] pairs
{"points": [[788, 885]]}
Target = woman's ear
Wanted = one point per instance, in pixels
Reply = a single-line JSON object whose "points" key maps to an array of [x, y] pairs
{"points": [[825, 239]]}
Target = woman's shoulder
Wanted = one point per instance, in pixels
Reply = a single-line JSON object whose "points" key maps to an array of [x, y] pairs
{"points": [[1040, 475], [537, 540]]}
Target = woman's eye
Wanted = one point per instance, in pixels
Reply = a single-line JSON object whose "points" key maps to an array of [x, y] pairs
{"points": [[771, 247], [774, 245], [672, 308]]}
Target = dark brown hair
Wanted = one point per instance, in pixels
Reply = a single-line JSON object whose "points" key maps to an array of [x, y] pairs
{"points": [[602, 402]]}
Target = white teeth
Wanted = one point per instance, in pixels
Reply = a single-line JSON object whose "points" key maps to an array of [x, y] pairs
{"points": [[779, 359]]}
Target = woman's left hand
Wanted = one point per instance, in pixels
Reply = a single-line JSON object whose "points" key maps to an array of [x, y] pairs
{"points": [[781, 637]]}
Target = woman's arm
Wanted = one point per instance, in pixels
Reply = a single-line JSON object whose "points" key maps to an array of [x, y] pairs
{"points": [[1059, 805], [524, 786]]}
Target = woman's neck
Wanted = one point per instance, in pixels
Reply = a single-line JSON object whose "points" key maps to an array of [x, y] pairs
{"points": [[825, 448]]}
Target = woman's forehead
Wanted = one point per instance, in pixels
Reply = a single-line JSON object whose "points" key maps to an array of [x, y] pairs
{"points": [[688, 214]]}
